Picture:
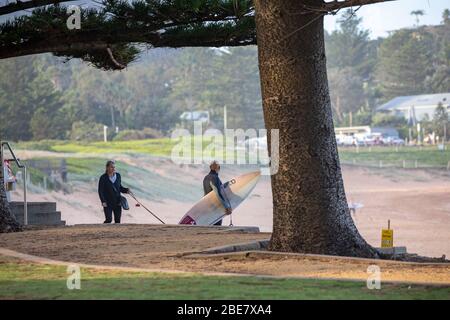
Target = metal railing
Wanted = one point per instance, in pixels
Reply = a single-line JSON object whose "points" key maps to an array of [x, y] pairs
{"points": [[24, 168]]}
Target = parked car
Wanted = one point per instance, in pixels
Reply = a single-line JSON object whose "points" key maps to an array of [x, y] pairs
{"points": [[398, 142], [343, 140], [393, 141], [373, 140]]}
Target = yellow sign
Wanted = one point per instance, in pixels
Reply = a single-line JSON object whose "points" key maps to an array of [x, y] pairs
{"points": [[387, 238]]}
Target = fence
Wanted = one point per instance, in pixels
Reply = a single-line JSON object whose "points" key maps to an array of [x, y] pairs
{"points": [[403, 164], [46, 174]]}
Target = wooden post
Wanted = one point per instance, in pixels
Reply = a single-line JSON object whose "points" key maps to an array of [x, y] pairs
{"points": [[445, 134], [25, 201], [225, 118], [1, 159], [105, 133]]}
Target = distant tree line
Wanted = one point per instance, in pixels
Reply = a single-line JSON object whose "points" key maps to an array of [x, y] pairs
{"points": [[40, 98]]}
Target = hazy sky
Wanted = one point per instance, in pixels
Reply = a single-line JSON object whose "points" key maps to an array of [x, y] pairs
{"points": [[382, 17]]}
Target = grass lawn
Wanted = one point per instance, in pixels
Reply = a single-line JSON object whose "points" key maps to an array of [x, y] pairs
{"points": [[22, 280], [427, 156], [156, 147]]}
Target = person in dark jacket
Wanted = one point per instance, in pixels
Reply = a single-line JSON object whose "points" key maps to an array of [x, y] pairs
{"points": [[212, 179], [109, 189]]}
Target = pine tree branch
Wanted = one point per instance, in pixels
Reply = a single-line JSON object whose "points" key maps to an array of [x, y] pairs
{"points": [[64, 43], [23, 5], [116, 63], [336, 5], [64, 47], [122, 25]]}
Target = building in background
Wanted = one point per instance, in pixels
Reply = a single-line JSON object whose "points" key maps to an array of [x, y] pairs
{"points": [[420, 105]]}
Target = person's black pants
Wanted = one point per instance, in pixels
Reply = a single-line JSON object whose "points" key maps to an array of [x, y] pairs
{"points": [[108, 214]]}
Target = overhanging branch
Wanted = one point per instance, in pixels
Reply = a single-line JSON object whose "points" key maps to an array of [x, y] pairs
{"points": [[116, 63], [336, 5], [99, 41], [148, 22], [121, 25], [23, 5]]}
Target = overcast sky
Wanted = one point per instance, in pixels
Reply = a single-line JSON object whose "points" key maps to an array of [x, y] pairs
{"points": [[383, 17]]}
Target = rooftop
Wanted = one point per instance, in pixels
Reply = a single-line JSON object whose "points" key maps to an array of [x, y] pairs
{"points": [[195, 115], [405, 102]]}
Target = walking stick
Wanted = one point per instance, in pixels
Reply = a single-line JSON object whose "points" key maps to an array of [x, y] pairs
{"points": [[134, 197]]}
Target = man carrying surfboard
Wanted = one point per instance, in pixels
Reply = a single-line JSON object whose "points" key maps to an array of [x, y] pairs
{"points": [[212, 182]]}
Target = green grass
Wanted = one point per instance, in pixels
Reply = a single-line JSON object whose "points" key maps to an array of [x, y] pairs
{"points": [[428, 156], [391, 156], [154, 147], [149, 146], [160, 147], [34, 281], [157, 147]]}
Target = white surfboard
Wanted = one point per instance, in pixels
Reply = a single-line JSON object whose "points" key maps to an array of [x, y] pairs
{"points": [[209, 209]]}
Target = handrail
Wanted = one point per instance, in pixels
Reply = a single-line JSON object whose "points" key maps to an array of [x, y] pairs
{"points": [[21, 166], [16, 160]]}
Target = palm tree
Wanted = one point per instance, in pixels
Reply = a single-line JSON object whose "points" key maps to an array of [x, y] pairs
{"points": [[417, 13]]}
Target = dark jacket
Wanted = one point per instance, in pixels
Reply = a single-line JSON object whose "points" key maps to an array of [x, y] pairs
{"points": [[109, 192], [212, 179]]}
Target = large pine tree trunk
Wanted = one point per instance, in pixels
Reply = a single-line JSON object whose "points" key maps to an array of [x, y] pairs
{"points": [[8, 222], [310, 211]]}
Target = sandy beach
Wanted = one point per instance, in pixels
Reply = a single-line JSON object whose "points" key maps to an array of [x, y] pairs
{"points": [[417, 202]]}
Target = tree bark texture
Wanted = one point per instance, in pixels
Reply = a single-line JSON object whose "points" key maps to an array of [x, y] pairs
{"points": [[310, 210]]}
